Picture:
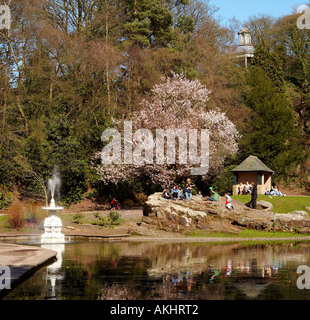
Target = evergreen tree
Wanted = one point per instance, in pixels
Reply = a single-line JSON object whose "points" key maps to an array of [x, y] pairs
{"points": [[149, 23], [271, 64], [272, 131]]}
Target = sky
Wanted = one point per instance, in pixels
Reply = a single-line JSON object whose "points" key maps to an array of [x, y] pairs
{"points": [[243, 9]]}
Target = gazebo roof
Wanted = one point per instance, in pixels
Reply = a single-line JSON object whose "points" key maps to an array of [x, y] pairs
{"points": [[252, 163]]}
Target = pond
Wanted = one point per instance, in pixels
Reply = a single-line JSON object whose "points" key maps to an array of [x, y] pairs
{"points": [[90, 270]]}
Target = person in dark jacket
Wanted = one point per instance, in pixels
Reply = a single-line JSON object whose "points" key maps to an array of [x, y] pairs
{"points": [[253, 196]]}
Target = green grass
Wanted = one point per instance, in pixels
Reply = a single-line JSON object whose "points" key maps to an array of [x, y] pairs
{"points": [[4, 225], [280, 204], [247, 233]]}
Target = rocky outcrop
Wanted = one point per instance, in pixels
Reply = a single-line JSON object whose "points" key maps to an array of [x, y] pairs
{"points": [[178, 215], [296, 221]]}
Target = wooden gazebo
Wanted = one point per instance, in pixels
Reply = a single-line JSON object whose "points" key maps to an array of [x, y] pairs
{"points": [[252, 170]]}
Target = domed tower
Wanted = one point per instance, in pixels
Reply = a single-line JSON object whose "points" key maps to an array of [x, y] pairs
{"points": [[245, 50]]}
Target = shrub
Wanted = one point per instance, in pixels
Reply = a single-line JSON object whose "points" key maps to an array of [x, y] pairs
{"points": [[141, 198], [5, 200], [225, 181], [78, 217], [112, 220], [16, 216], [115, 218]]}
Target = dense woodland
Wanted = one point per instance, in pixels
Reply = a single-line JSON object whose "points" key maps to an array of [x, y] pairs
{"points": [[69, 69]]}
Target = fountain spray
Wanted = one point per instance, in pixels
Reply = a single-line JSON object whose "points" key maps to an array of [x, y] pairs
{"points": [[53, 224]]}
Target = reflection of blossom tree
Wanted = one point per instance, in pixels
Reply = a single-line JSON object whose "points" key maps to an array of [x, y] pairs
{"points": [[175, 104]]}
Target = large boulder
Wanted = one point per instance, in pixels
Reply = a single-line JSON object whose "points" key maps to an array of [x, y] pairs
{"points": [[297, 221], [265, 205]]}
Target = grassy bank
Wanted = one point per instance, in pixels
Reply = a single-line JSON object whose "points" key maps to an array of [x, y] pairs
{"points": [[281, 204], [247, 233]]}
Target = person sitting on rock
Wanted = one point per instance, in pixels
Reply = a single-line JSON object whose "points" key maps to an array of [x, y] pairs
{"points": [[215, 197], [188, 189], [228, 205], [166, 194], [199, 195], [180, 193], [174, 192]]}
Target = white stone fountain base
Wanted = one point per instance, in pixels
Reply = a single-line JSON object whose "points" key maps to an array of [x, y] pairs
{"points": [[52, 227]]}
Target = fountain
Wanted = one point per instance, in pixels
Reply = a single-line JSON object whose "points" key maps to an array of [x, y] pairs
{"points": [[53, 224]]}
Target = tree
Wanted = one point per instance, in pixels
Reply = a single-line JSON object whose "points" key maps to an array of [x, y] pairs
{"points": [[149, 23], [270, 63], [295, 48], [71, 16], [272, 132], [176, 103], [262, 29]]}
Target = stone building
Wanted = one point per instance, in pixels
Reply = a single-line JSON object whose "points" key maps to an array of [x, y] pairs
{"points": [[245, 50], [252, 170]]}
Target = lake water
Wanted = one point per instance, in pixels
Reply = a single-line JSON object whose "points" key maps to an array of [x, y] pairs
{"points": [[92, 270]]}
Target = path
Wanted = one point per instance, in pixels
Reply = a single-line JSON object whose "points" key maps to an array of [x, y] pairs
{"points": [[22, 261]]}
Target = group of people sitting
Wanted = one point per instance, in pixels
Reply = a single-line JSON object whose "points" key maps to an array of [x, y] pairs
{"points": [[178, 193], [248, 188], [274, 191], [245, 189], [186, 193]]}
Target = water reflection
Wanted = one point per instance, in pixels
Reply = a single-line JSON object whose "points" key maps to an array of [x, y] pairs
{"points": [[53, 272], [96, 270]]}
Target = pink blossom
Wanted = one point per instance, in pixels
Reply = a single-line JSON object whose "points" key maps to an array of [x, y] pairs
{"points": [[176, 103]]}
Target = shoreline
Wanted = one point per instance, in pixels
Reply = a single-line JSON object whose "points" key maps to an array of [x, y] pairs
{"points": [[5, 238]]}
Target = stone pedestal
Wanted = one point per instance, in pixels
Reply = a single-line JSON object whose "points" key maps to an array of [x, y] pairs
{"points": [[52, 227]]}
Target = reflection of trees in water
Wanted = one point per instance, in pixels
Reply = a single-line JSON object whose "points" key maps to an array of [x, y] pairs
{"points": [[175, 271], [251, 271]]}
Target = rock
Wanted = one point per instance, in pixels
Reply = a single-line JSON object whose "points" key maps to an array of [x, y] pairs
{"points": [[147, 220], [144, 225], [307, 208], [303, 230], [185, 222], [160, 215], [202, 227], [265, 205], [291, 222], [173, 216], [69, 227], [300, 213]]}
